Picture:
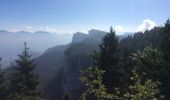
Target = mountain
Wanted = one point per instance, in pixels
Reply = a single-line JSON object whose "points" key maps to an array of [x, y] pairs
{"points": [[96, 34], [42, 33], [56, 53], [62, 64], [50, 62], [59, 67], [93, 34], [13, 42], [69, 59], [76, 58], [78, 37], [4, 32]]}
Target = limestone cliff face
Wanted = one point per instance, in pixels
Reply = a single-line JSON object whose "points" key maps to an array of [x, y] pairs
{"points": [[78, 37], [78, 57], [69, 60]]}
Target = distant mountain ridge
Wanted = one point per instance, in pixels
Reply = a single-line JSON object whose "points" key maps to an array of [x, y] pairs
{"points": [[69, 59], [78, 37], [59, 66], [53, 58], [12, 43], [25, 32]]}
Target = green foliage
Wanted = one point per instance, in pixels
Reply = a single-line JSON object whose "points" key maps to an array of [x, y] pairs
{"points": [[107, 51], [24, 97], [140, 40], [149, 62], [139, 90], [107, 59], [165, 40], [3, 87], [66, 97], [165, 48], [95, 90], [24, 83]]}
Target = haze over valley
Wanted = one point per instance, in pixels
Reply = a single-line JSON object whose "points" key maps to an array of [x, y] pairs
{"points": [[84, 50], [12, 43]]}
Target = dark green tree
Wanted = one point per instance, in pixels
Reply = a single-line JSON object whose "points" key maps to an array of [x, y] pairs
{"points": [[107, 60], [3, 88], [139, 89], [149, 63], [136, 90], [165, 48], [165, 40], [24, 82], [66, 97], [95, 90]]}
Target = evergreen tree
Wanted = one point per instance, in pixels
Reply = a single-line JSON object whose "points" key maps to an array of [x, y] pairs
{"points": [[94, 88], [3, 89], [149, 63], [141, 90], [165, 40], [136, 90], [165, 48], [66, 97], [107, 60], [24, 83]]}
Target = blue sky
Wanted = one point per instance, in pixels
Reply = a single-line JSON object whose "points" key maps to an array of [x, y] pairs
{"points": [[67, 16]]}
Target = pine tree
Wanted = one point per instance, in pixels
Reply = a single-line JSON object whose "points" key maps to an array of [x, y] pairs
{"points": [[165, 48], [136, 90], [149, 61], [107, 50], [66, 97], [141, 90], [3, 89], [107, 60], [165, 40], [94, 88], [24, 83]]}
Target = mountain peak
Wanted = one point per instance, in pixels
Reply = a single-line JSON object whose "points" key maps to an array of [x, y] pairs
{"points": [[42, 32], [23, 32], [94, 33], [4, 32], [78, 37]]}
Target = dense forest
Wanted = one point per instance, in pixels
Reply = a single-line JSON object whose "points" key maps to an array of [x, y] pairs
{"points": [[99, 67]]}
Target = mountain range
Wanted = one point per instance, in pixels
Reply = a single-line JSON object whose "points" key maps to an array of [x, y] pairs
{"points": [[59, 67], [12, 43]]}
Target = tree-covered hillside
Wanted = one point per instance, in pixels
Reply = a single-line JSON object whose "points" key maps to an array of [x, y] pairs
{"points": [[95, 66]]}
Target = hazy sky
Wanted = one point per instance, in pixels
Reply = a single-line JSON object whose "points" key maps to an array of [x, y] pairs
{"points": [[66, 16]]}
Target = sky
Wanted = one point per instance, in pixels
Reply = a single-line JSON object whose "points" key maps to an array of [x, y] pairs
{"points": [[68, 16]]}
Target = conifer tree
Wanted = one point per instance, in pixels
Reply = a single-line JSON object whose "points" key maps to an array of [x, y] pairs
{"points": [[107, 60], [165, 40], [3, 90], [140, 90], [136, 90], [24, 83], [66, 97], [94, 88], [149, 61], [165, 48]]}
